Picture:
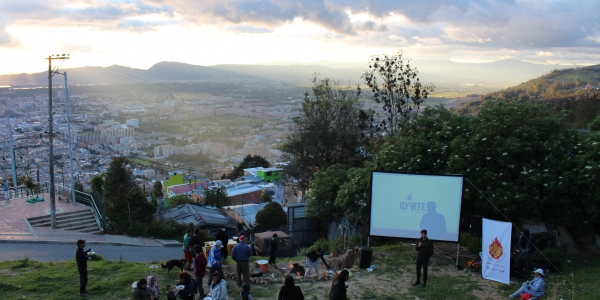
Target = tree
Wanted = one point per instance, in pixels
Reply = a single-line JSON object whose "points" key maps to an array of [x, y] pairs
{"points": [[158, 189], [123, 200], [396, 85], [179, 200], [353, 198], [586, 111], [250, 161], [519, 155], [595, 125], [216, 196], [266, 197], [326, 132], [320, 201], [271, 216]]}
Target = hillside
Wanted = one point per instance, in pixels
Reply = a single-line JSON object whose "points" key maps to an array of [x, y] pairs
{"points": [[565, 89]]}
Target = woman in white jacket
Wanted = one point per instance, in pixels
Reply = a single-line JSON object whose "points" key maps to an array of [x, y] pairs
{"points": [[218, 288]]}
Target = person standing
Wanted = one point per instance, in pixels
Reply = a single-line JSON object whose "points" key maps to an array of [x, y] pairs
{"points": [[312, 260], [273, 247], [187, 254], [5, 189], [195, 239], [199, 268], [81, 257], [526, 249], [214, 259], [223, 236], [339, 286], [241, 254], [424, 249]]}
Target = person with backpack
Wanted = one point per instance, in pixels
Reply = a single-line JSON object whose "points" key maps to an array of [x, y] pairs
{"points": [[189, 286], [218, 288]]}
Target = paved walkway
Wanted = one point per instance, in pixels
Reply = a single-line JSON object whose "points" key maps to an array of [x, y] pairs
{"points": [[14, 227]]}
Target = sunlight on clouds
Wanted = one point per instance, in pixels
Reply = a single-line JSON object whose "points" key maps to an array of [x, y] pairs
{"points": [[544, 54], [461, 35]]}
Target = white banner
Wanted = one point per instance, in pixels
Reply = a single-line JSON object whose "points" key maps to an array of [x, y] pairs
{"points": [[495, 250]]}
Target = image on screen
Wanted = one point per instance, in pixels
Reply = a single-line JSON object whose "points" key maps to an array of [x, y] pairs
{"points": [[404, 204]]}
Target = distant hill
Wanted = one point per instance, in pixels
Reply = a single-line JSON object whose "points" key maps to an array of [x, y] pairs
{"points": [[500, 73], [576, 90]]}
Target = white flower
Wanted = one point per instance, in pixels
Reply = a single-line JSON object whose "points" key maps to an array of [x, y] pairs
{"points": [[456, 156], [418, 159], [428, 150], [503, 183], [467, 155], [588, 167], [483, 139], [545, 170], [545, 184], [504, 153], [559, 177], [488, 158], [500, 174]]}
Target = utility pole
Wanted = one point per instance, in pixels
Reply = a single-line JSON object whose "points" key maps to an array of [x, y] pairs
{"points": [[70, 141], [12, 157], [51, 140]]}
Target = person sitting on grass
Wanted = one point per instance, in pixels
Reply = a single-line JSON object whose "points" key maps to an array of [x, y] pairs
{"points": [[140, 291], [289, 291], [218, 288], [245, 293], [153, 288], [171, 294], [534, 288], [189, 288]]}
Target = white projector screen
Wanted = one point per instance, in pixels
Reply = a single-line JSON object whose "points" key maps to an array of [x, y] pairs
{"points": [[404, 204]]}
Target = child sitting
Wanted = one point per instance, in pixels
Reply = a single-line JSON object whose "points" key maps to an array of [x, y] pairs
{"points": [[171, 295], [245, 293]]}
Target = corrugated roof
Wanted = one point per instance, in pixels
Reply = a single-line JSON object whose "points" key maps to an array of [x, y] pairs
{"points": [[248, 212], [184, 188], [200, 215], [241, 189]]}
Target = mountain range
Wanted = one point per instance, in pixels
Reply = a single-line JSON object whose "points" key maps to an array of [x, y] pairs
{"points": [[502, 72]]}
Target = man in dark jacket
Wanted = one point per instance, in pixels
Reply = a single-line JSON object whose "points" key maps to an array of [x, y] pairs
{"points": [[424, 249], [312, 260], [223, 236], [273, 247], [196, 239], [81, 257]]}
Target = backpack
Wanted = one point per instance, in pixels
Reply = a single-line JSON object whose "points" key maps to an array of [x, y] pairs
{"points": [[195, 285]]}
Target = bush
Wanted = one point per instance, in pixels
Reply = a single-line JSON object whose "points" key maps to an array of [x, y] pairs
{"points": [[470, 242], [162, 230], [137, 229]]}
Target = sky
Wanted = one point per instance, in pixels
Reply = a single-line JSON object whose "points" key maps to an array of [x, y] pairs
{"points": [[140, 33]]}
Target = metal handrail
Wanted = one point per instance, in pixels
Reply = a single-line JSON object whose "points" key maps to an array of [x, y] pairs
{"points": [[83, 198]]}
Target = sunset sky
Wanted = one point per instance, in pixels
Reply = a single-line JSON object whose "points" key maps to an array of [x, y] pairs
{"points": [[140, 33]]}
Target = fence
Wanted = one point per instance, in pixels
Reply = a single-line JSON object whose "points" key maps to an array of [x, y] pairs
{"points": [[80, 197]]}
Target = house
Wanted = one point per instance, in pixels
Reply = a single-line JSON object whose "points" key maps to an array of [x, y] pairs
{"points": [[206, 217], [245, 213]]}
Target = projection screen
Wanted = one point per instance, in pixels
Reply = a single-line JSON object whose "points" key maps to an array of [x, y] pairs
{"points": [[404, 204]]}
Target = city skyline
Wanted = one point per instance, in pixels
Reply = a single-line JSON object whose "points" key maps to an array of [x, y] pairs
{"points": [[141, 33]]}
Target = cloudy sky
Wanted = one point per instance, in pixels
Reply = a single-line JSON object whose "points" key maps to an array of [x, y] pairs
{"points": [[140, 33]]}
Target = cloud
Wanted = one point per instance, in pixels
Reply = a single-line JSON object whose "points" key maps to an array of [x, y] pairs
{"points": [[249, 29]]}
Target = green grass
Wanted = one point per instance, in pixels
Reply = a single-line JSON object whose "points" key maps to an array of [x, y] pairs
{"points": [[391, 280]]}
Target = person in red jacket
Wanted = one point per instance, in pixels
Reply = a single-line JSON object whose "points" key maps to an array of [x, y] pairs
{"points": [[199, 268]]}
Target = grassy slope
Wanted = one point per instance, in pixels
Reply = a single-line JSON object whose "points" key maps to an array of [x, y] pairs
{"points": [[391, 280]]}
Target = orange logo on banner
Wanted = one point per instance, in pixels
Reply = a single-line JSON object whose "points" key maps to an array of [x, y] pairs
{"points": [[496, 249]]}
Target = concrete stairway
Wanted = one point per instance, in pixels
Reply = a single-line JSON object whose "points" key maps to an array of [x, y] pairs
{"points": [[80, 220]]}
